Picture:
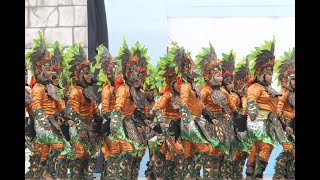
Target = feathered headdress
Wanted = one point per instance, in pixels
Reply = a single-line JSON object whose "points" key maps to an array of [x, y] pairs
{"points": [[242, 78], [165, 72], [134, 59], [39, 58], [186, 67], [108, 66], [285, 67], [57, 58], [228, 66], [149, 83], [77, 63], [263, 60], [207, 64], [183, 61]]}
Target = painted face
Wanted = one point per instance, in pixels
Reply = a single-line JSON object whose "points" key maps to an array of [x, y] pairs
{"points": [[149, 94], [47, 73], [137, 77], [87, 77], [293, 83], [268, 78], [229, 87], [112, 73], [217, 77], [55, 80]]}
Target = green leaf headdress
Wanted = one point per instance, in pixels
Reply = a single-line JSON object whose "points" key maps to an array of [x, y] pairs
{"points": [[39, 58], [263, 60], [183, 61], [135, 59], [57, 58], [228, 66], [166, 72], [207, 64], [285, 68], [242, 77], [77, 63], [107, 66]]}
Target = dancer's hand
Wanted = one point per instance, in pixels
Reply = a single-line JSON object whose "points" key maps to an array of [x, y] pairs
{"points": [[147, 130], [164, 125], [215, 121], [147, 121], [139, 129], [71, 123], [289, 130]]}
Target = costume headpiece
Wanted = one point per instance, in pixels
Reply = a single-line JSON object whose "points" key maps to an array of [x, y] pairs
{"points": [[107, 66], [263, 60], [285, 67], [228, 66], [39, 58], [242, 78], [132, 60]]}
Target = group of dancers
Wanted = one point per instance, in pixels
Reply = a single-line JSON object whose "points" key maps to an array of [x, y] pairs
{"points": [[209, 113]]}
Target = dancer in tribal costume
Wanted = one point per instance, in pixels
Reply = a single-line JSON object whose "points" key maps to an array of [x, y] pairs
{"points": [[195, 135], [46, 105], [228, 71], [285, 67], [30, 133], [127, 140], [263, 125], [167, 148], [85, 125], [107, 78], [242, 81], [58, 158], [152, 93], [218, 108]]}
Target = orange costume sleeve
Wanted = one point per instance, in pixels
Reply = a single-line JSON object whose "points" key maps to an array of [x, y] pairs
{"points": [[37, 94], [95, 108], [74, 99], [254, 91], [284, 106], [282, 100], [61, 105], [165, 105], [231, 104], [162, 101], [189, 98], [107, 99], [184, 93], [244, 105], [204, 93], [235, 99], [121, 97]]}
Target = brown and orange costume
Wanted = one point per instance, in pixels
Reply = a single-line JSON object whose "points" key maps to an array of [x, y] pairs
{"points": [[46, 107], [85, 114], [242, 141], [168, 152], [263, 125], [219, 106], [107, 77], [127, 145], [285, 166], [30, 134], [196, 132]]}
